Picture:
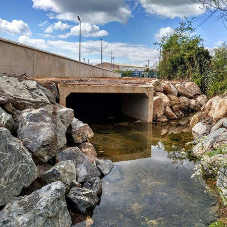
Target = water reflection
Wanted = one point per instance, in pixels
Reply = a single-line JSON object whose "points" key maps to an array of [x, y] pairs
{"points": [[151, 182], [130, 141]]}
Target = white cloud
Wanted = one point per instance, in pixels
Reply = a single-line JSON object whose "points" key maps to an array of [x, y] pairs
{"points": [[39, 43], [87, 30], [43, 24], [134, 53], [218, 44], [57, 26], [162, 32], [173, 8], [16, 27], [95, 11]]}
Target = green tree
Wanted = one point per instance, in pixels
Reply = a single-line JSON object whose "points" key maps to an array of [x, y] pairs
{"points": [[218, 74], [182, 54]]}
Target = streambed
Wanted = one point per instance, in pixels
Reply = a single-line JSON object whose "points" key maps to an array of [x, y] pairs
{"points": [[151, 182]]}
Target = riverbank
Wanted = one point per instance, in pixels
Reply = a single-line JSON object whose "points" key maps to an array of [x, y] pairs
{"points": [[209, 128], [48, 167]]}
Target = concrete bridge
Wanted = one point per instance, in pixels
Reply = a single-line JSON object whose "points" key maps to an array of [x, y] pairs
{"points": [[79, 81]]}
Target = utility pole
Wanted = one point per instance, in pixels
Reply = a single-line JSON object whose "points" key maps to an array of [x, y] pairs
{"points": [[88, 61], [101, 52], [148, 64], [79, 38], [113, 62]]}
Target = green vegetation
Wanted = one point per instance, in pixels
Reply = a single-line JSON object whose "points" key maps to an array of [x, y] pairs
{"points": [[220, 150], [184, 57], [127, 73], [217, 224]]}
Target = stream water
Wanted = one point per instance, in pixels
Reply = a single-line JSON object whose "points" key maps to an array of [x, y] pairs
{"points": [[151, 182]]}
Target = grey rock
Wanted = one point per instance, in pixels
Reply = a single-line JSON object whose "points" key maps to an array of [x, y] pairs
{"points": [[3, 99], [200, 129], [79, 132], [104, 166], [66, 115], [7, 121], [83, 199], [222, 184], [220, 124], [85, 168], [64, 171], [210, 142], [22, 94], [17, 169], [43, 208], [48, 94], [94, 184], [42, 133], [89, 150]]}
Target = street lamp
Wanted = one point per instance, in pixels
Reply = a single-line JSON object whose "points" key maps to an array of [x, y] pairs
{"points": [[101, 52], [80, 37]]}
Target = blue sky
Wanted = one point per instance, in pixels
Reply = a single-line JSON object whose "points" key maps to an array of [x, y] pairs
{"points": [[128, 28]]}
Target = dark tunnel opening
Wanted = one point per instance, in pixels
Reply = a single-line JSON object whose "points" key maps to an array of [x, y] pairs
{"points": [[95, 107]]}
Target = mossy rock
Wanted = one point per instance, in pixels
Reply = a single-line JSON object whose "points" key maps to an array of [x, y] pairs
{"points": [[218, 224]]}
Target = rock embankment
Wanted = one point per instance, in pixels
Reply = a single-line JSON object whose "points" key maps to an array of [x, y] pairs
{"points": [[171, 102], [209, 127], [45, 157]]}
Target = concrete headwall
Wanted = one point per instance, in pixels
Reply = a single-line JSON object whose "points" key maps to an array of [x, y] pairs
{"points": [[16, 58]]}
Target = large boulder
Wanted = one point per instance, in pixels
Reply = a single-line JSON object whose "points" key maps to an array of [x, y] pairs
{"points": [[42, 133], [174, 100], [177, 111], [183, 91], [43, 208], [22, 94], [17, 169], [211, 142], [79, 132], [195, 119], [158, 107], [220, 124], [201, 99], [89, 150], [83, 199], [200, 129], [85, 168], [104, 165], [194, 105], [7, 121], [169, 89], [94, 184], [216, 108], [184, 103], [66, 115], [157, 85], [64, 171], [193, 88], [164, 98], [170, 114]]}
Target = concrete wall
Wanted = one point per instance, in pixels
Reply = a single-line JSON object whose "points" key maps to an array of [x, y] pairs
{"points": [[138, 106], [18, 59], [137, 100]]}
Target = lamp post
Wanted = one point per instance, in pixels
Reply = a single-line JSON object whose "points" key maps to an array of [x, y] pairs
{"points": [[79, 38], [101, 52]]}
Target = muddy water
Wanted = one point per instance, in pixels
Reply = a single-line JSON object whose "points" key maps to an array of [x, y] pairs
{"points": [[151, 182]]}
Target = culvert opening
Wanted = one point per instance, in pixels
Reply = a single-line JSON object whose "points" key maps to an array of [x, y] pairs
{"points": [[95, 107], [104, 107]]}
